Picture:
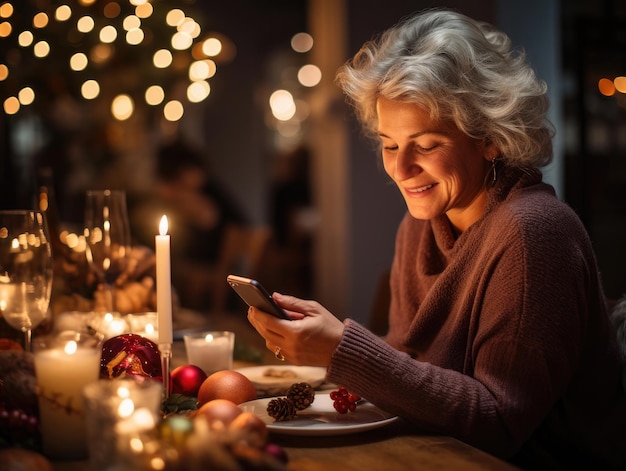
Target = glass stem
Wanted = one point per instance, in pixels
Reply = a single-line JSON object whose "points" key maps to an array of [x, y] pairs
{"points": [[28, 340]]}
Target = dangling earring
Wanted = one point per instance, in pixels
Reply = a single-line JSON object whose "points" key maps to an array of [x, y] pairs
{"points": [[493, 171]]}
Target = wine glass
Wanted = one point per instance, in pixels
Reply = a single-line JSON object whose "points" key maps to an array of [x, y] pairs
{"points": [[25, 270], [107, 232]]}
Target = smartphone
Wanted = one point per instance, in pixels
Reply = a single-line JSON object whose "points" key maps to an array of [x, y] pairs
{"points": [[254, 294]]}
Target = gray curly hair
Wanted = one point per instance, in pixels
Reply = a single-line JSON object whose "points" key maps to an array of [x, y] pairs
{"points": [[461, 70]]}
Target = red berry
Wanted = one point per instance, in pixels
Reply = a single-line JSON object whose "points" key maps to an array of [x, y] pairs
{"points": [[343, 400]]}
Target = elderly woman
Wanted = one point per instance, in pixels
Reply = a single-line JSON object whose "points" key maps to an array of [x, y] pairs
{"points": [[498, 332]]}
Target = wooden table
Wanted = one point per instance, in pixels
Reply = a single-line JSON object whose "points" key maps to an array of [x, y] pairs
{"points": [[395, 447]]}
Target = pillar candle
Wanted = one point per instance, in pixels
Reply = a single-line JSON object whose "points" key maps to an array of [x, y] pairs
{"points": [[164, 284], [61, 375]]}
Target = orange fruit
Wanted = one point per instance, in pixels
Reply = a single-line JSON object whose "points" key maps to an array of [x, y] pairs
{"points": [[226, 384]]}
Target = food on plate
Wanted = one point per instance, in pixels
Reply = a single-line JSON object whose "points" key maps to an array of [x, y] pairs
{"points": [[279, 373], [227, 384], [343, 400]]}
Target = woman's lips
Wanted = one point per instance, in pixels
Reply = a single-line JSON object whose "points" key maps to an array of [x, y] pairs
{"points": [[419, 190]]}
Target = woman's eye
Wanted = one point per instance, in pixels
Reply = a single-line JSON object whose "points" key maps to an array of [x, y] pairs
{"points": [[426, 148]]}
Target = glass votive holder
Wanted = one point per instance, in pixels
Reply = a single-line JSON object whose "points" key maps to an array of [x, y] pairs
{"points": [[64, 363], [211, 351], [144, 324], [109, 324], [121, 414]]}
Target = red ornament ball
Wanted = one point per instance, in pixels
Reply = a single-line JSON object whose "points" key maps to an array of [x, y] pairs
{"points": [[130, 355], [187, 379]]}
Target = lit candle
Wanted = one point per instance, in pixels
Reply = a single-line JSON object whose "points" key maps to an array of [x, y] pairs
{"points": [[211, 351], [61, 375], [164, 284]]}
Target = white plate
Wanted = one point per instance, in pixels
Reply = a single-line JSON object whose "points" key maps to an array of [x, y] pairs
{"points": [[273, 385], [321, 418]]}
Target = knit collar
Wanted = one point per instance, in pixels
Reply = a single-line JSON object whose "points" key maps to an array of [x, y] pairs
{"points": [[508, 181]]}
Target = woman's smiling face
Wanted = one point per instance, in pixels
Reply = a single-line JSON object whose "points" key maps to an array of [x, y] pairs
{"points": [[438, 169]]}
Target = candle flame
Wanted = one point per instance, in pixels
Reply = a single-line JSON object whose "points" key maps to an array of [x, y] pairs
{"points": [[71, 347], [149, 329], [208, 338], [126, 407], [163, 225]]}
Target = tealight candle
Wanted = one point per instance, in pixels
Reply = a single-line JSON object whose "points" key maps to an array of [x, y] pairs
{"points": [[63, 368], [211, 351], [144, 324]]}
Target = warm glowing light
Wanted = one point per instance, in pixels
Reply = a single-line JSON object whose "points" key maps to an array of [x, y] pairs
{"points": [[198, 91], [606, 87], [25, 38], [90, 89], [101, 53], [309, 75], [134, 36], [112, 10], [86, 3], [163, 226], [108, 34], [85, 24], [162, 59], [189, 26], [5, 29], [175, 17], [199, 70], [131, 22], [6, 10], [71, 347], [282, 105], [173, 110], [41, 49], [212, 47], [137, 2], [40, 20], [26, 96], [302, 42], [144, 11], [4, 72], [620, 84], [11, 105], [78, 61], [122, 107], [181, 41], [126, 407], [155, 95], [62, 13]]}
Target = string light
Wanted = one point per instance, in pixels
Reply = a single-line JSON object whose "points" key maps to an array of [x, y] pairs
{"points": [[89, 43]]}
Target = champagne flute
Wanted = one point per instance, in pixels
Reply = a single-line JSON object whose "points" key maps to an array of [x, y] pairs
{"points": [[107, 232], [25, 270]]}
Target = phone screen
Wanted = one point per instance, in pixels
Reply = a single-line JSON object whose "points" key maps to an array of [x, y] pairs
{"points": [[254, 294]]}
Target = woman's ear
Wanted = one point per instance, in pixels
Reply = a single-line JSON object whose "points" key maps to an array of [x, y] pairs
{"points": [[491, 151]]}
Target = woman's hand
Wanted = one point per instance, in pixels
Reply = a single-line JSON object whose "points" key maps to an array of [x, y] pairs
{"points": [[310, 338]]}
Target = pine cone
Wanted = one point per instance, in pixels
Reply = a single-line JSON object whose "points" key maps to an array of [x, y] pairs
{"points": [[302, 395], [281, 409]]}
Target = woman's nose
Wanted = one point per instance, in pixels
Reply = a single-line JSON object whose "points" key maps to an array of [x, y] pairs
{"points": [[406, 165]]}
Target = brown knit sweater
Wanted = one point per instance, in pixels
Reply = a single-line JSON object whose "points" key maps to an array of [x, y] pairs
{"points": [[499, 337]]}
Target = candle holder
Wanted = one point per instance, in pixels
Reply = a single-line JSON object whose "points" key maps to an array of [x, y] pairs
{"points": [[165, 349]]}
